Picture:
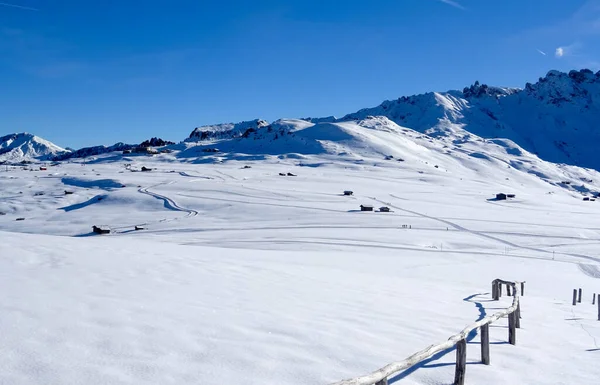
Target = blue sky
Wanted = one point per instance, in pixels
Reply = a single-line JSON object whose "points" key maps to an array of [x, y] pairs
{"points": [[82, 73]]}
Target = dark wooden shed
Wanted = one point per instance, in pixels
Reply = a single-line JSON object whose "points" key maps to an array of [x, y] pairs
{"points": [[101, 229], [501, 197], [366, 208]]}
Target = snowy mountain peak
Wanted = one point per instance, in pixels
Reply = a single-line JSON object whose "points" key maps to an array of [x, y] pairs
{"points": [[24, 145], [555, 118]]}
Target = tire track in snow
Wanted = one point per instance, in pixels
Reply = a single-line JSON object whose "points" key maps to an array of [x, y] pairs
{"points": [[183, 173], [591, 273]]}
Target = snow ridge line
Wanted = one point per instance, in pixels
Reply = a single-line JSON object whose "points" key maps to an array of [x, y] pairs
{"points": [[380, 375]]}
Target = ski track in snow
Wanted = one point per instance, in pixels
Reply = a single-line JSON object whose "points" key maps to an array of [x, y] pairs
{"points": [[590, 272], [169, 203]]}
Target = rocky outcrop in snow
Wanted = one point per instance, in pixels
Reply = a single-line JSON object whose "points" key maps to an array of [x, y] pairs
{"points": [[155, 142], [94, 151], [225, 130]]}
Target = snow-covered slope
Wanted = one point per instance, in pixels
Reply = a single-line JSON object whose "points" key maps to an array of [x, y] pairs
{"points": [[243, 276], [555, 118], [378, 140], [22, 146]]}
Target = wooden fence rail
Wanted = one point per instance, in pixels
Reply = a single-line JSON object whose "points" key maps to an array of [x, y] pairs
{"points": [[380, 377]]}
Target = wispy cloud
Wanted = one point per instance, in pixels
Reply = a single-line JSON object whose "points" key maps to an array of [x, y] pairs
{"points": [[453, 4], [560, 52], [567, 50], [19, 7], [541, 52]]}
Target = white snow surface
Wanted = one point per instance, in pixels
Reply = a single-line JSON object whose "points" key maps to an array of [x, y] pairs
{"points": [[243, 276]]}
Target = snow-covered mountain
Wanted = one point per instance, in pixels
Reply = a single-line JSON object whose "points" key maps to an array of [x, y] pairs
{"points": [[556, 118], [16, 147]]}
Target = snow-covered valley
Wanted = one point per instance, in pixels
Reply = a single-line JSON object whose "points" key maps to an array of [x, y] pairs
{"points": [[242, 275]]}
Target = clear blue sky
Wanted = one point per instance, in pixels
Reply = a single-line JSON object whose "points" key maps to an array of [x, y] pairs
{"points": [[92, 72]]}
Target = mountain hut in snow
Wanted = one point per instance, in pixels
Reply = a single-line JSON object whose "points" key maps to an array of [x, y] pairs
{"points": [[101, 229]]}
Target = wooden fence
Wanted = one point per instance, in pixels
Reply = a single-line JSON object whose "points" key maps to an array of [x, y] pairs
{"points": [[380, 377]]}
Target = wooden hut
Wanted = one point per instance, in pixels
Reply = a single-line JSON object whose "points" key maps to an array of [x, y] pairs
{"points": [[384, 209], [348, 193], [101, 229], [501, 197], [366, 208]]}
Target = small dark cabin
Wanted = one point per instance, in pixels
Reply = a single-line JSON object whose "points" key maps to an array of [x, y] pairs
{"points": [[366, 208], [501, 197], [101, 229]]}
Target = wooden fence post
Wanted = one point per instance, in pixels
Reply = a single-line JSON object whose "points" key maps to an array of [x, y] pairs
{"points": [[522, 289], [598, 307], [508, 289], [594, 299], [579, 298], [574, 297], [518, 316], [495, 290], [485, 344], [383, 382], [512, 331], [461, 362]]}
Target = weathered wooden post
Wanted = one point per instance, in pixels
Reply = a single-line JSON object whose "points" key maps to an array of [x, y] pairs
{"points": [[485, 344], [579, 298], [574, 297], [461, 362], [383, 382], [594, 299], [495, 290], [518, 316], [512, 331], [508, 289], [598, 308], [522, 288]]}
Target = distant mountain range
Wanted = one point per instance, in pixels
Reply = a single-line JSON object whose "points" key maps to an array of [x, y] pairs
{"points": [[556, 118]]}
